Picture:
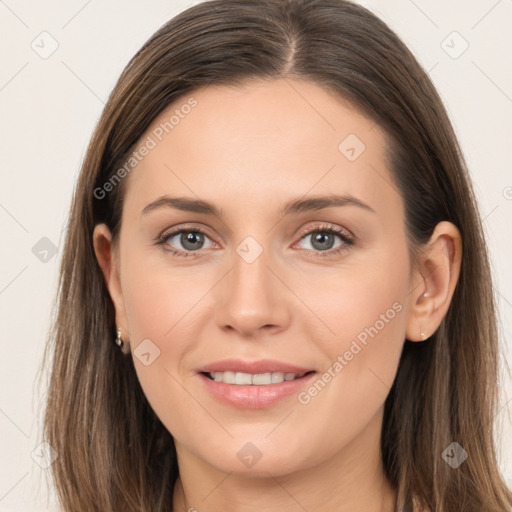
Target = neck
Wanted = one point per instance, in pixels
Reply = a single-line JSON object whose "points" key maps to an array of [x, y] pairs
{"points": [[352, 479]]}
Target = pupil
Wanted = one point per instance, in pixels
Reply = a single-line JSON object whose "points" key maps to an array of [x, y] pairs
{"points": [[191, 240], [325, 240]]}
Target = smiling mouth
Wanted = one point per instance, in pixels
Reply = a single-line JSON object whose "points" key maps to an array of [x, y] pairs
{"points": [[254, 379]]}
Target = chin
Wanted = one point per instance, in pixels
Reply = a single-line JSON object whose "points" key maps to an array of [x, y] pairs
{"points": [[258, 459]]}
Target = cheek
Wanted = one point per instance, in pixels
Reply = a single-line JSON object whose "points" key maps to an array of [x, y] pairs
{"points": [[364, 300], [157, 297], [365, 311], [163, 305], [160, 308]]}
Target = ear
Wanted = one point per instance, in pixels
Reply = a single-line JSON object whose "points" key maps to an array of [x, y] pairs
{"points": [[108, 259], [434, 281]]}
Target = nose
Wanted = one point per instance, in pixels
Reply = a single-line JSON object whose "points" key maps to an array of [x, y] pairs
{"points": [[252, 300]]}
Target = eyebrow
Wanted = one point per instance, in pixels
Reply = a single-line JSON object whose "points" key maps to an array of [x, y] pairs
{"points": [[294, 206]]}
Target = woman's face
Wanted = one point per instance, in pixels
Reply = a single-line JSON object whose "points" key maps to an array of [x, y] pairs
{"points": [[303, 268]]}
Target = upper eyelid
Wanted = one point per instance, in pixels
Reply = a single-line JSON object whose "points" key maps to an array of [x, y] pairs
{"points": [[326, 226], [175, 231]]}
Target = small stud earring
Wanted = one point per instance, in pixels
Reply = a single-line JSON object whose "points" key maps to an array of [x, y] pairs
{"points": [[422, 334], [119, 341], [125, 346]]}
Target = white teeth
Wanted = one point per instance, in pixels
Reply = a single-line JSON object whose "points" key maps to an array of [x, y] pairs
{"points": [[243, 378], [229, 377], [259, 379]]}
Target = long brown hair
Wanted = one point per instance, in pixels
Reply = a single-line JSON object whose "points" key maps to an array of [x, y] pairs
{"points": [[114, 453]]}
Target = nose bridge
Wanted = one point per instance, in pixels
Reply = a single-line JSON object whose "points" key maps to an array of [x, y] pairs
{"points": [[250, 284], [252, 296]]}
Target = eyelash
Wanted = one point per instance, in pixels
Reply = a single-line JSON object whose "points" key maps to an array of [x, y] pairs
{"points": [[325, 228]]}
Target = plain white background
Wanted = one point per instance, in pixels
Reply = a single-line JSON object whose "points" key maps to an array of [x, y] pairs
{"points": [[49, 105]]}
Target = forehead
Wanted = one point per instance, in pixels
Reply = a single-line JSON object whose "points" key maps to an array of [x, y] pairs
{"points": [[257, 145]]}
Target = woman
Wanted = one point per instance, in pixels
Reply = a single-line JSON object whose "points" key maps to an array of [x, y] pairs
{"points": [[275, 292]]}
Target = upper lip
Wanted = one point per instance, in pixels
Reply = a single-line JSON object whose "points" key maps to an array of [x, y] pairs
{"points": [[254, 367]]}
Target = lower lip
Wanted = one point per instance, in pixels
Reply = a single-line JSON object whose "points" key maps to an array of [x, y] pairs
{"points": [[254, 396]]}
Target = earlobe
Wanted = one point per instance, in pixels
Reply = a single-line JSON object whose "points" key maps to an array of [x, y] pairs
{"points": [[434, 281]]}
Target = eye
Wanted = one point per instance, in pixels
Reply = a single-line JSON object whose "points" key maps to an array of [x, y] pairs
{"points": [[322, 239], [191, 240]]}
